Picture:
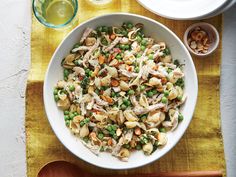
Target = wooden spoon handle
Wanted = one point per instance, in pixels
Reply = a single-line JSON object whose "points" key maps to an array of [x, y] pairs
{"points": [[177, 174]]}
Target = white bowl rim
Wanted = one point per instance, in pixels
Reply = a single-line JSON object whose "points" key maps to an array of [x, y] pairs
{"points": [[215, 45], [194, 99]]}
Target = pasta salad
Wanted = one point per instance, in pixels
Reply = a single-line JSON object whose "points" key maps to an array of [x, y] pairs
{"points": [[121, 91]]}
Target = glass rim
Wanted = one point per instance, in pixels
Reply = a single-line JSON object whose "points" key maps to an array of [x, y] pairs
{"points": [[51, 25]]}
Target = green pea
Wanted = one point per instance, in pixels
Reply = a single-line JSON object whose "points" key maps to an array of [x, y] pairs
{"points": [[66, 117], [122, 46], [86, 120], [144, 42], [55, 91], [130, 92], [82, 123], [118, 56], [67, 123], [166, 93], [117, 94], [179, 98], [123, 106], [109, 128], [136, 69], [139, 39], [142, 87], [76, 113], [66, 72], [72, 88], [143, 47], [138, 55], [90, 73], [162, 129], [66, 112], [100, 136], [71, 115], [164, 99], [138, 147], [180, 117], [154, 92], [150, 94], [127, 47], [150, 56], [56, 98]]}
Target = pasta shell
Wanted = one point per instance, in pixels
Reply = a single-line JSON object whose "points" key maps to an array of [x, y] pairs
{"points": [[143, 101], [97, 82], [113, 114], [100, 117], [156, 117], [64, 104], [61, 84], [124, 86], [131, 124], [106, 81], [148, 148], [62, 95], [114, 62], [166, 59], [130, 115], [173, 94], [120, 118], [162, 138], [155, 81], [124, 154], [112, 71], [84, 131], [74, 127]]}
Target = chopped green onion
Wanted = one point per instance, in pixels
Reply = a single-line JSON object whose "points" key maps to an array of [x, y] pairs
{"points": [[143, 47], [55, 91]]}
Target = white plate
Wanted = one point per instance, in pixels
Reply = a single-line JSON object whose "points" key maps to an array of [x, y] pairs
{"points": [[55, 73], [182, 9]]}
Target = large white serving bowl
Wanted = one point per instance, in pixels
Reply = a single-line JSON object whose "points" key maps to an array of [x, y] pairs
{"points": [[55, 73], [183, 9]]}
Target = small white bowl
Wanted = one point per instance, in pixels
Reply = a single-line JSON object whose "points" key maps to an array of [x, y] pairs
{"points": [[55, 73], [212, 33]]}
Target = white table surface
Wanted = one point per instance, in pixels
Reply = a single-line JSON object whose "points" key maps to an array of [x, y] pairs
{"points": [[15, 63]]}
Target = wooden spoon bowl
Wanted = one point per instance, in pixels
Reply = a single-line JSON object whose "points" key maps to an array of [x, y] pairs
{"points": [[67, 169]]}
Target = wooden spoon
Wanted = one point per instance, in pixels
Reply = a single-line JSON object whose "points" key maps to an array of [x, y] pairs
{"points": [[66, 169]]}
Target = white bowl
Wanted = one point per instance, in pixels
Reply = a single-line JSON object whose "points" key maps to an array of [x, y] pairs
{"points": [[55, 73]]}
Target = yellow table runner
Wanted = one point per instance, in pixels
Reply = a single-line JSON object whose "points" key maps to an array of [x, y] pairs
{"points": [[200, 148]]}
